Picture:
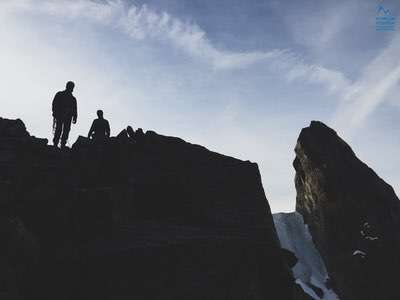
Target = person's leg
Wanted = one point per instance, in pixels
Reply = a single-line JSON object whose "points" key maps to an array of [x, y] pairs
{"points": [[57, 132], [66, 129]]}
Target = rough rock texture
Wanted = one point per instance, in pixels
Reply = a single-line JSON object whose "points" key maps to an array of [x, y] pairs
{"points": [[158, 218], [353, 215]]}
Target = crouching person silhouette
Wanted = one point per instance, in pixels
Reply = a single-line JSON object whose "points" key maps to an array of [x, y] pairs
{"points": [[64, 111], [100, 129]]}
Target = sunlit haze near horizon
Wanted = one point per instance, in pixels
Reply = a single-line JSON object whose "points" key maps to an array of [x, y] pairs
{"points": [[239, 77]]}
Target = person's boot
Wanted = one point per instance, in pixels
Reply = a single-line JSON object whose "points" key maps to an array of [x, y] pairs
{"points": [[63, 145], [55, 143]]}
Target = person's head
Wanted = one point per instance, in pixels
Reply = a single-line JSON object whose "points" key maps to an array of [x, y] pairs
{"points": [[70, 86], [100, 114]]}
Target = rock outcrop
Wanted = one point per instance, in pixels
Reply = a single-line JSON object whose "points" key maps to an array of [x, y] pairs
{"points": [[353, 215], [157, 218]]}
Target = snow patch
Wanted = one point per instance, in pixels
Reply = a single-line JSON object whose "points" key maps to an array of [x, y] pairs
{"points": [[360, 253], [365, 232], [310, 269]]}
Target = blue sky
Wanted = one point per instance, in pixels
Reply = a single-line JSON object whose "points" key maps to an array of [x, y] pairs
{"points": [[240, 77]]}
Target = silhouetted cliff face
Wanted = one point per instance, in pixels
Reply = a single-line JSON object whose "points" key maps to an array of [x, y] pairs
{"points": [[154, 219], [353, 215]]}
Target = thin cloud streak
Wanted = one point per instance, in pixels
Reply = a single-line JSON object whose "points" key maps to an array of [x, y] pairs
{"points": [[377, 82], [142, 22]]}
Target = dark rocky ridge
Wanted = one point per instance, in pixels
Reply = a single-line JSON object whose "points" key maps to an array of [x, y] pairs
{"points": [[159, 219], [353, 215]]}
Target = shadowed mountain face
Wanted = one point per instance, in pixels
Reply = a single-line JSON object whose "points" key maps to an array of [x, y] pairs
{"points": [[353, 215], [157, 218]]}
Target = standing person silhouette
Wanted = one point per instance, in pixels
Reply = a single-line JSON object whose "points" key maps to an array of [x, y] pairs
{"points": [[64, 111], [100, 129]]}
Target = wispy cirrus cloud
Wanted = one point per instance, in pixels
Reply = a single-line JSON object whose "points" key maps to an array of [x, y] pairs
{"points": [[142, 22], [380, 78], [357, 99]]}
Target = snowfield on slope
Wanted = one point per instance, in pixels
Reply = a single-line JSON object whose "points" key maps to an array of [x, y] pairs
{"points": [[310, 269]]}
